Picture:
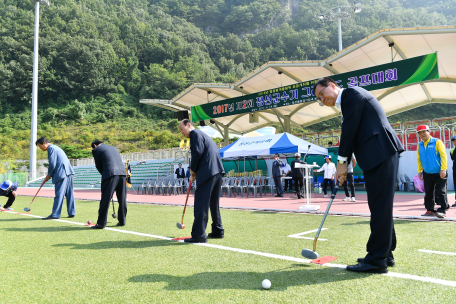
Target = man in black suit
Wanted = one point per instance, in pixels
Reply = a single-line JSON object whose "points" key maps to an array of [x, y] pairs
{"points": [[206, 168], [277, 175], [113, 178], [296, 175], [367, 133], [180, 173]]}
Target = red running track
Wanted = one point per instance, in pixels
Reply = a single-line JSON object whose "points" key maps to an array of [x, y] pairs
{"points": [[405, 204]]}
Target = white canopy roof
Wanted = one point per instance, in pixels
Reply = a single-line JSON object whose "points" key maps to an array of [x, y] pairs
{"points": [[270, 144], [379, 48]]}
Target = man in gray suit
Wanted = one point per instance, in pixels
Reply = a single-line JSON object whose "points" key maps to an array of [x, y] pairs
{"points": [[61, 172], [276, 167], [207, 168], [113, 178]]}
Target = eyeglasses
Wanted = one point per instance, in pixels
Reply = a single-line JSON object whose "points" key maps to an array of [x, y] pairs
{"points": [[321, 93]]}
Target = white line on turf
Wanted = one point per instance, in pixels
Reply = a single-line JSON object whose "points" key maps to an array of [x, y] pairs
{"points": [[437, 252], [298, 235], [269, 255]]}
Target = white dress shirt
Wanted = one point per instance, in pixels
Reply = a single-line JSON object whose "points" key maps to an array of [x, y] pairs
{"points": [[330, 170], [338, 105]]}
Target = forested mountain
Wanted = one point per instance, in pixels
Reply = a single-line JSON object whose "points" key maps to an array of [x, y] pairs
{"points": [[99, 57]]}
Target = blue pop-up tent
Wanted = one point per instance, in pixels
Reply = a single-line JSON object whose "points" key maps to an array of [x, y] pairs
{"points": [[268, 145]]}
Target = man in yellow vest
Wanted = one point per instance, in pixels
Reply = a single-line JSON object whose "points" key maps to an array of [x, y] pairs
{"points": [[432, 167]]}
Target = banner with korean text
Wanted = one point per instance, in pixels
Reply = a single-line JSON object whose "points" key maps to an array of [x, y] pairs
{"points": [[404, 72]]}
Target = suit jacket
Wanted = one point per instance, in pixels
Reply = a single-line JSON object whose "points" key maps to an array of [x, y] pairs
{"points": [[59, 165], [108, 161], [366, 130], [296, 172], [180, 172], [276, 167], [206, 161]]}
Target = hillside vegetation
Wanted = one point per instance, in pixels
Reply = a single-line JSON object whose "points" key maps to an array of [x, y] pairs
{"points": [[99, 57]]}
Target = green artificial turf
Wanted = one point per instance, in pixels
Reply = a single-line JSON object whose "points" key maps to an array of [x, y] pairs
{"points": [[57, 262]]}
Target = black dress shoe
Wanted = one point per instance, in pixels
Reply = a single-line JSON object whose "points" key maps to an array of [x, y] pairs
{"points": [[216, 235], [50, 218], [389, 262], [367, 268], [119, 224], [277, 195], [70, 216], [192, 240], [97, 227]]}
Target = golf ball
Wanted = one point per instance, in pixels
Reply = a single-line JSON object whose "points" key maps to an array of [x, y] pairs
{"points": [[89, 222], [266, 284]]}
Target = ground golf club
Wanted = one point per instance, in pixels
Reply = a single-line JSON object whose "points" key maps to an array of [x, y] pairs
{"points": [[312, 254], [30, 206], [181, 224]]}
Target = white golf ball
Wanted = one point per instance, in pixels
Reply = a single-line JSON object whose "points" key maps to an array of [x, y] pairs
{"points": [[266, 284]]}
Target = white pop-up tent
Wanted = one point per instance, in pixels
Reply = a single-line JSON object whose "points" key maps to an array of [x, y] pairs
{"points": [[268, 145]]}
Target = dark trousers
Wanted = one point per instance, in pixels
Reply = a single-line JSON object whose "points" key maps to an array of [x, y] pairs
{"points": [[350, 180], [278, 184], [118, 184], [325, 184], [288, 183], [454, 181], [207, 197], [11, 199], [435, 191], [380, 187], [298, 184]]}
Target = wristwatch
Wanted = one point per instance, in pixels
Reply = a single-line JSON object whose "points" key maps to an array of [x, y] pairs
{"points": [[341, 162]]}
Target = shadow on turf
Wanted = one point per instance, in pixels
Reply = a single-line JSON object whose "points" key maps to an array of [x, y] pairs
{"points": [[281, 279], [45, 229], [19, 219], [120, 244], [367, 222]]}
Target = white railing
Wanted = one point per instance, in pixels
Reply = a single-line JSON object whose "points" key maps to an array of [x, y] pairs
{"points": [[139, 156]]}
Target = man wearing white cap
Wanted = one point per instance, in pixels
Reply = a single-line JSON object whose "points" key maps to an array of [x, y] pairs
{"points": [[330, 172], [9, 189], [432, 168]]}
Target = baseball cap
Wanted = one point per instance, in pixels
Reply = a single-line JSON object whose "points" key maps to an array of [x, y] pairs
{"points": [[422, 128], [454, 137], [6, 185], [298, 155], [328, 156]]}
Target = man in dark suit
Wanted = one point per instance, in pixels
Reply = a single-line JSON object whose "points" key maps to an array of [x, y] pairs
{"points": [[180, 173], [296, 174], [206, 168], [113, 178], [277, 175], [367, 133]]}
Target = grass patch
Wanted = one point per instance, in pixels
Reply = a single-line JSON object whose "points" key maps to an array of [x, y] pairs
{"points": [[51, 261]]}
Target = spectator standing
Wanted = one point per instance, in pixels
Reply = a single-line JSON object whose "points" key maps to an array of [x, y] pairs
{"points": [[432, 168], [297, 175], [453, 157], [329, 175], [350, 180], [287, 173], [180, 172], [276, 175]]}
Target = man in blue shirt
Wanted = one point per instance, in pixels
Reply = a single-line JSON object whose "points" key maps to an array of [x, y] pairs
{"points": [[9, 189], [61, 172]]}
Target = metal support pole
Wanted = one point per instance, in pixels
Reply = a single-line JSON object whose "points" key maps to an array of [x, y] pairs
{"points": [[287, 124], [34, 123], [340, 32], [226, 136]]}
